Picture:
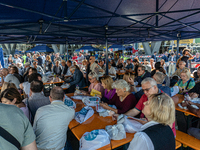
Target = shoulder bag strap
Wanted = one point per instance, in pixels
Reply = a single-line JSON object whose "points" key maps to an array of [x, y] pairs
{"points": [[8, 137], [187, 84]]}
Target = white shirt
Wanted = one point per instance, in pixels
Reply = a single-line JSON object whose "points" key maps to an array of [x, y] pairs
{"points": [[18, 60], [68, 72], [12, 79], [112, 70], [141, 140], [26, 87], [80, 59]]}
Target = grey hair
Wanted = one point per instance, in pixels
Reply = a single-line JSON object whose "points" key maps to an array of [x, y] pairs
{"points": [[160, 77], [150, 80], [93, 75], [72, 68], [121, 84]]}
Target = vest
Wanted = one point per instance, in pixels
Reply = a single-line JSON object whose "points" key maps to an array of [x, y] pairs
{"points": [[161, 136]]}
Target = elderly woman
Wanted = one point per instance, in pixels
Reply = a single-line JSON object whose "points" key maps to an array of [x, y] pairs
{"points": [[125, 100], [156, 133], [95, 84], [186, 82], [11, 96], [39, 68], [109, 93], [57, 69]]}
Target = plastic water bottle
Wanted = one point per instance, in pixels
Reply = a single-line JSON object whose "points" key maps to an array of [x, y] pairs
{"points": [[77, 87], [187, 97]]}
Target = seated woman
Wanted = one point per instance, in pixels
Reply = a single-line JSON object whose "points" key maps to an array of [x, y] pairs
{"points": [[29, 72], [157, 67], [7, 85], [109, 92], [95, 84], [125, 100], [14, 70], [186, 82], [11, 96], [157, 132], [120, 64]]}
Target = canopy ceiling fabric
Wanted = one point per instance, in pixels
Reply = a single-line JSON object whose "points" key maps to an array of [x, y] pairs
{"points": [[87, 49], [89, 21], [40, 48]]}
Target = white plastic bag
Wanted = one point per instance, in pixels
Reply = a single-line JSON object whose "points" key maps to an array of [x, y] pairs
{"points": [[69, 102], [174, 90], [130, 125], [101, 109], [83, 115], [116, 132], [91, 101], [66, 85], [94, 140]]}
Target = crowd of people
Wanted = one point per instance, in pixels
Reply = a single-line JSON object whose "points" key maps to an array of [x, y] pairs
{"points": [[34, 121]]}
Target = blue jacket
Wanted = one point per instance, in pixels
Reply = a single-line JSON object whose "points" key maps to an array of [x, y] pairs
{"points": [[140, 78], [165, 58], [174, 59], [154, 57], [165, 89], [78, 79]]}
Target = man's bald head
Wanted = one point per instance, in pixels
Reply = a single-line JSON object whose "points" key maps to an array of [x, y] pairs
{"points": [[57, 93]]}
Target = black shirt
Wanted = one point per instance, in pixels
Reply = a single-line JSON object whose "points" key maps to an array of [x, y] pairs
{"points": [[195, 89], [39, 61], [185, 59]]}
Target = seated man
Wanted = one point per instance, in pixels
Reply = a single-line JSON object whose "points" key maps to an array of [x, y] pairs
{"points": [[77, 79], [129, 65], [51, 122], [37, 98], [14, 122], [142, 74], [159, 77], [181, 66]]}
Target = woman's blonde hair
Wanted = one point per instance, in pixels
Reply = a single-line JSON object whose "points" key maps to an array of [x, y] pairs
{"points": [[128, 75], [7, 85], [162, 109], [187, 72], [84, 61], [108, 81], [48, 58]]}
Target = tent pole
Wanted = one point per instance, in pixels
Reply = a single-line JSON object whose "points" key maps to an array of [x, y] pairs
{"points": [[106, 56]]}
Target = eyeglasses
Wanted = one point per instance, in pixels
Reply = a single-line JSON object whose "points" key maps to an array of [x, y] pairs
{"points": [[147, 90]]}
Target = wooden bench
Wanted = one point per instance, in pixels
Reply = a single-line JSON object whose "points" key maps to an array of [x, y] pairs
{"points": [[187, 140], [178, 144]]}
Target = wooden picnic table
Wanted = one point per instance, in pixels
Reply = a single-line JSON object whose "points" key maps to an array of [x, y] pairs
{"points": [[98, 122], [54, 81], [178, 98]]}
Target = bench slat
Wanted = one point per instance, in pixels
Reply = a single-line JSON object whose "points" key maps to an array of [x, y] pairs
{"points": [[188, 140]]}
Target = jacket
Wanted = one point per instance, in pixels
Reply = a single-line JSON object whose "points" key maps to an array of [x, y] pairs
{"points": [[77, 79]]}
